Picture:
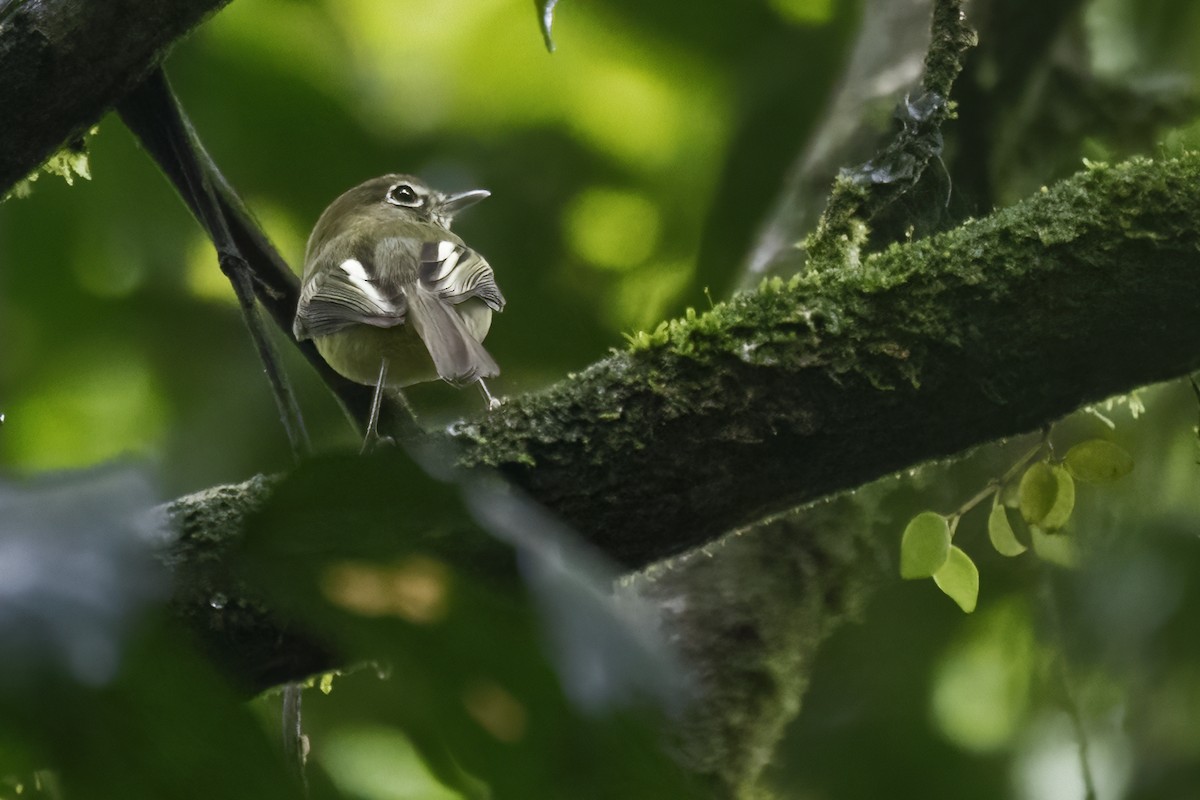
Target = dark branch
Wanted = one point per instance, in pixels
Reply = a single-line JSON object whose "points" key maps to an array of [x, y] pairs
{"points": [[274, 283], [152, 107], [65, 63], [864, 194]]}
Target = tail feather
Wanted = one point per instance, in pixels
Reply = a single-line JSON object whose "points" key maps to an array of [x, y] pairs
{"points": [[457, 356]]}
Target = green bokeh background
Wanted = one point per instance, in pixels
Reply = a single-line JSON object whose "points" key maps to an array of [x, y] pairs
{"points": [[628, 171]]}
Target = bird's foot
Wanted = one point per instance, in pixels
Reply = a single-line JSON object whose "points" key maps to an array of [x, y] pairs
{"points": [[492, 402]]}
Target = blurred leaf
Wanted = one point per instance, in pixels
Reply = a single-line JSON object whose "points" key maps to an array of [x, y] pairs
{"points": [[546, 18], [1098, 461], [612, 229], [507, 661], [981, 684], [925, 545], [110, 391], [379, 762], [1047, 496], [1055, 549], [606, 657], [77, 573], [1001, 534], [959, 579], [803, 12], [95, 682]]}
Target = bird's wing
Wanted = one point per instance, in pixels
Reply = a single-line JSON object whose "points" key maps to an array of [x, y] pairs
{"points": [[455, 273], [338, 295]]}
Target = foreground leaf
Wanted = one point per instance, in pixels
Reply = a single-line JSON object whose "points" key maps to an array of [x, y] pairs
{"points": [[959, 579], [1046, 496], [1000, 532], [1055, 549], [507, 656], [925, 546]]}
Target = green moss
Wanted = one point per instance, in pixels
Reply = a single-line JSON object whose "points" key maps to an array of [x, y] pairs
{"points": [[70, 162]]}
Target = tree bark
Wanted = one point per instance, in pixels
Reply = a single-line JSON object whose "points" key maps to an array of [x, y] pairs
{"points": [[66, 63]]}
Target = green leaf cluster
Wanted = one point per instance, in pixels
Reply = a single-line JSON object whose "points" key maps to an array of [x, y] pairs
{"points": [[1044, 498]]}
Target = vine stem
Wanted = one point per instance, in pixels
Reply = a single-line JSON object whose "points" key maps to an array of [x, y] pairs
{"points": [[996, 484]]}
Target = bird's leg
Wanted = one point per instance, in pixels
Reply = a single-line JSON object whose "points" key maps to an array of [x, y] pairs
{"points": [[492, 403], [372, 438]]}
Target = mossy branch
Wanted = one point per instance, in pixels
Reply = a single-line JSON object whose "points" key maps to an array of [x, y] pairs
{"points": [[823, 383]]}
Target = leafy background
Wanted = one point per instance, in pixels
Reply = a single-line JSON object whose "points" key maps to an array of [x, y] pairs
{"points": [[628, 172]]}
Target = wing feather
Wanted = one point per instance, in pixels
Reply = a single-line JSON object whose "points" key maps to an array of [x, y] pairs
{"points": [[456, 273], [336, 298]]}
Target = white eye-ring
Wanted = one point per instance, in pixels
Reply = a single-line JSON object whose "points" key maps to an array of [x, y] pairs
{"points": [[404, 195]]}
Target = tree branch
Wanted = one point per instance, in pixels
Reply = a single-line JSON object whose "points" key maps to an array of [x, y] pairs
{"points": [[65, 63], [835, 378]]}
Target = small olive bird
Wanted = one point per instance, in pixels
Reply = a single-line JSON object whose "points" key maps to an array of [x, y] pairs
{"points": [[391, 297]]}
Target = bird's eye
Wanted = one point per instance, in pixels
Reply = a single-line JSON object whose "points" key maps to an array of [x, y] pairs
{"points": [[403, 195]]}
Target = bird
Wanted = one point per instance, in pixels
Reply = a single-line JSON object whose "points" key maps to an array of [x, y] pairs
{"points": [[391, 297]]}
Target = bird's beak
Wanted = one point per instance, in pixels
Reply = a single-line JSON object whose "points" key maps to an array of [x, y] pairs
{"points": [[454, 203]]}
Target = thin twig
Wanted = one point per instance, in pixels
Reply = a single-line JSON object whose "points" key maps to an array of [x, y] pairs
{"points": [[1067, 683], [998, 484], [159, 101], [272, 281]]}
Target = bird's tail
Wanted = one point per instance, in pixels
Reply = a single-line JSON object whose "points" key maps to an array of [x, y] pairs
{"points": [[457, 356]]}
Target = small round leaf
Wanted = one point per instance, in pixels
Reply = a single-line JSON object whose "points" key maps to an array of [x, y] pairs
{"points": [[959, 579], [925, 545], [1047, 496], [1098, 461], [1000, 531], [1064, 502]]}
